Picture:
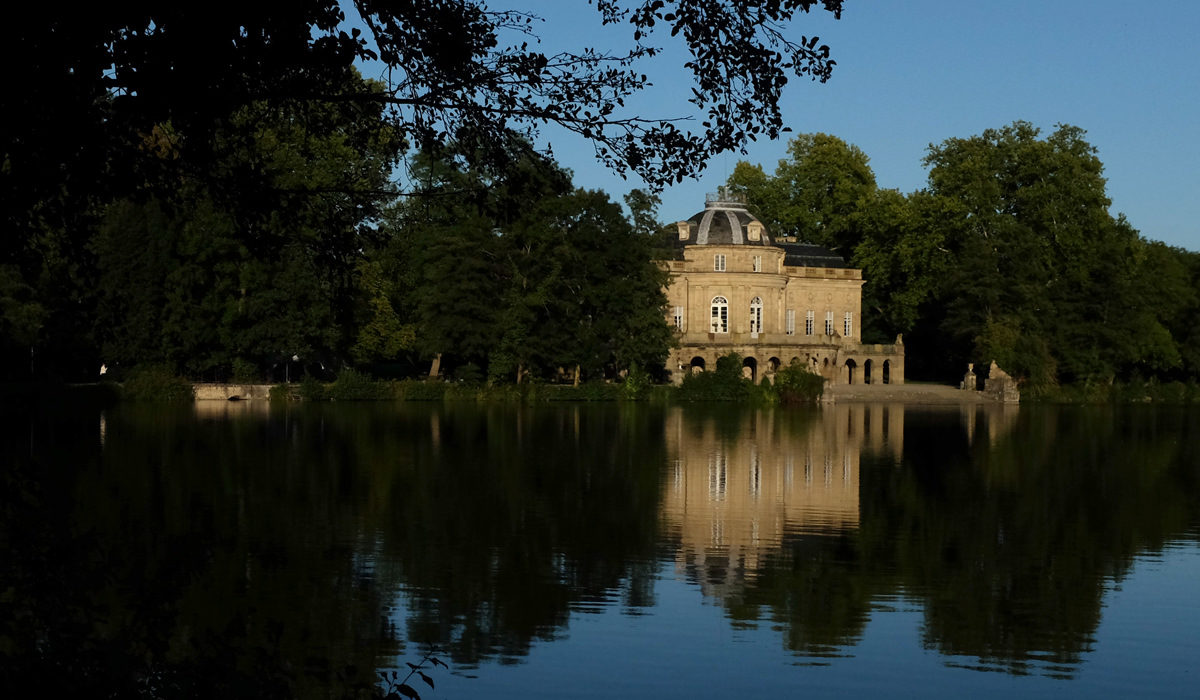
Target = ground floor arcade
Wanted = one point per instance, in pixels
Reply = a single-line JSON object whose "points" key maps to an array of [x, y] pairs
{"points": [[839, 362]]}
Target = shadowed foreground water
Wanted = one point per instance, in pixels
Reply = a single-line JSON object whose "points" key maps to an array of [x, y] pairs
{"points": [[241, 550]]}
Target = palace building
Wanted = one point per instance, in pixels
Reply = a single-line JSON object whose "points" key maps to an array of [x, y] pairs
{"points": [[733, 288]]}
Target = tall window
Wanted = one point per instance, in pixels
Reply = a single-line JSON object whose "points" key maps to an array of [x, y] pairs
{"points": [[848, 325], [720, 315], [809, 323], [679, 317], [828, 323], [791, 322], [758, 263], [756, 315], [719, 262]]}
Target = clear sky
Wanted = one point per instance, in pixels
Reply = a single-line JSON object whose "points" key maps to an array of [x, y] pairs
{"points": [[918, 72]]}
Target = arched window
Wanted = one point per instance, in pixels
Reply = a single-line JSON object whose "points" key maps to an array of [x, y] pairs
{"points": [[756, 315], [720, 315]]}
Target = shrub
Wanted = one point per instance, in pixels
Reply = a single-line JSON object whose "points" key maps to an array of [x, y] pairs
{"points": [[637, 384], [311, 389], [155, 383], [796, 384], [417, 390], [282, 392], [725, 383], [352, 385], [245, 371]]}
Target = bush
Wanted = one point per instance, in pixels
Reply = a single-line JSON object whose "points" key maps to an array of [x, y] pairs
{"points": [[282, 392], [155, 383], [726, 383], [796, 384], [417, 390], [311, 389], [637, 384], [245, 371], [352, 385]]}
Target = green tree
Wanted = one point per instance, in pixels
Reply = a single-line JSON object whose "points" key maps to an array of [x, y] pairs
{"points": [[903, 256], [814, 194], [258, 264], [516, 273], [129, 101], [1045, 280]]}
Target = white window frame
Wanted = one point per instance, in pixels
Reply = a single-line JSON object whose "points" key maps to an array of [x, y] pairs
{"points": [[828, 323], [756, 314], [719, 317], [719, 262], [678, 317], [810, 323], [758, 263], [790, 322], [848, 325]]}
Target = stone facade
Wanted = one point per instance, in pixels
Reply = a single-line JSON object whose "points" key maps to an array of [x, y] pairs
{"points": [[734, 289]]}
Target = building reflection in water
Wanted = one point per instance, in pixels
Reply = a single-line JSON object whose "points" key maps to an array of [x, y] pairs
{"points": [[738, 483]]}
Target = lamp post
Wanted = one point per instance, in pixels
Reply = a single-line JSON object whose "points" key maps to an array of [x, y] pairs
{"points": [[287, 368]]}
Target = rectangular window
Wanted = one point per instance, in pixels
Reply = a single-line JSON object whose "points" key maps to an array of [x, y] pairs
{"points": [[679, 317], [828, 323], [848, 325], [758, 263], [791, 322], [719, 262], [809, 323]]}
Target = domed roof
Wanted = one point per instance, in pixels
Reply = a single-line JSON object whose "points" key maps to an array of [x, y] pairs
{"points": [[724, 221]]}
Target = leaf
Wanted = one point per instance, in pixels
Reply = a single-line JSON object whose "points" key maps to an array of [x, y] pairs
{"points": [[407, 691], [426, 678], [437, 662]]}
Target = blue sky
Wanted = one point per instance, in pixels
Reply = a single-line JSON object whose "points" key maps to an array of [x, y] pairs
{"points": [[918, 72]]}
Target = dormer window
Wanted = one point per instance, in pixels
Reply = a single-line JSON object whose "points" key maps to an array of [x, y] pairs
{"points": [[754, 231], [684, 230]]}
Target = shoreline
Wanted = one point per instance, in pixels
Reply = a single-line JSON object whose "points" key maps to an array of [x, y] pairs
{"points": [[916, 393]]}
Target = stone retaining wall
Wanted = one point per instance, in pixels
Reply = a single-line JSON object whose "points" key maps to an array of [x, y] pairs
{"points": [[225, 392]]}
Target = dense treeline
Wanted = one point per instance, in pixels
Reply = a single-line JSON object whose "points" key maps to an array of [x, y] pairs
{"points": [[1009, 254], [202, 186], [216, 194], [516, 277], [289, 253]]}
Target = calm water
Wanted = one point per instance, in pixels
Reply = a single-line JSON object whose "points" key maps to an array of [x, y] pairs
{"points": [[236, 550]]}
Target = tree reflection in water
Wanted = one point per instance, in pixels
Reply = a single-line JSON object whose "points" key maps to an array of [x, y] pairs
{"points": [[291, 551]]}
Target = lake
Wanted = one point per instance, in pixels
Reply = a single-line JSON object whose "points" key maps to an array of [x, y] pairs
{"points": [[586, 551]]}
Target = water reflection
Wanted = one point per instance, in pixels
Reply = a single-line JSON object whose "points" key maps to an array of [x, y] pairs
{"points": [[236, 549], [734, 491]]}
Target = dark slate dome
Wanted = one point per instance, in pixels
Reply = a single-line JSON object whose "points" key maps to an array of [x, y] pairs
{"points": [[724, 221]]}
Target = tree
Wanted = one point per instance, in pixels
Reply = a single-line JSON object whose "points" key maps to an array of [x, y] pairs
{"points": [[459, 71], [123, 102], [903, 258], [258, 263], [1046, 282], [521, 275], [814, 193]]}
